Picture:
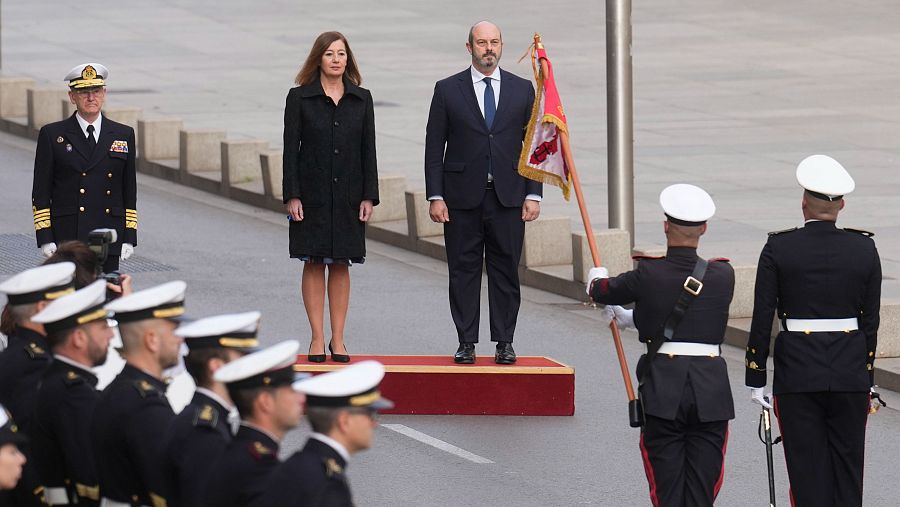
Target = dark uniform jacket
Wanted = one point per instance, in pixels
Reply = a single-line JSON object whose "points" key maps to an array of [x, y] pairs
{"points": [[239, 477], [816, 272], [22, 364], [654, 287], [60, 434], [77, 190], [128, 435], [197, 438], [329, 164], [313, 477]]}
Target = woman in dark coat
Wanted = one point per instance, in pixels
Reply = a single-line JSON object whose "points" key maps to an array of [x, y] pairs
{"points": [[330, 182]]}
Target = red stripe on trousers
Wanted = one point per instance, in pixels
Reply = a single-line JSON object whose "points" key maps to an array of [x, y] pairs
{"points": [[648, 469], [722, 471]]}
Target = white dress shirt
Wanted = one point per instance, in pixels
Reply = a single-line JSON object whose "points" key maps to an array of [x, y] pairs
{"points": [[84, 125]]}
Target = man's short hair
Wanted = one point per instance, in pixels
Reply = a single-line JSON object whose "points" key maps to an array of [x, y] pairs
{"points": [[20, 314], [686, 231], [322, 419], [197, 364], [821, 206], [243, 399], [57, 338]]}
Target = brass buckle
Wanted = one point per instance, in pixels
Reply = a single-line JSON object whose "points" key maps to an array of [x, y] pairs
{"points": [[693, 286]]}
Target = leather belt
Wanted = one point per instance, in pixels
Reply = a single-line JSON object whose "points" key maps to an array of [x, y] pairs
{"points": [[689, 349], [56, 496], [820, 325], [106, 502]]}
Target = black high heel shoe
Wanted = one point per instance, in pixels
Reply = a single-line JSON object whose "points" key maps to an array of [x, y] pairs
{"points": [[338, 358], [315, 358]]}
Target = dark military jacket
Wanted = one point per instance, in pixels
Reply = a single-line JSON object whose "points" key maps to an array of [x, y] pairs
{"points": [[22, 364], [816, 272], [653, 288], [239, 477], [197, 438], [330, 165], [77, 190], [313, 477], [128, 436], [60, 433]]}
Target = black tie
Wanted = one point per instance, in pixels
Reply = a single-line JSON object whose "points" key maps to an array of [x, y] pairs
{"points": [[90, 138]]}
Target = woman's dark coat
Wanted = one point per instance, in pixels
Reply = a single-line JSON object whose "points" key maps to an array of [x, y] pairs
{"points": [[329, 164]]}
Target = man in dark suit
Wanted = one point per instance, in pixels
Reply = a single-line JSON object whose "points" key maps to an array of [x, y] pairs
{"points": [[473, 139], [84, 173], [825, 283]]}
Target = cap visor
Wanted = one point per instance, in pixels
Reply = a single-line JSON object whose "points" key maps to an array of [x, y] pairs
{"points": [[382, 404]]}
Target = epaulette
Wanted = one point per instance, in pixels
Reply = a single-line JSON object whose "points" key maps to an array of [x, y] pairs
{"points": [[775, 233], [720, 259], [332, 468], [860, 231], [260, 451], [35, 351], [641, 257], [206, 415], [146, 389], [73, 378]]}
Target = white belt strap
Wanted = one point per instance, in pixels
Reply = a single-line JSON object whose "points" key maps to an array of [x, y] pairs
{"points": [[56, 496], [821, 325], [689, 349], [106, 502]]}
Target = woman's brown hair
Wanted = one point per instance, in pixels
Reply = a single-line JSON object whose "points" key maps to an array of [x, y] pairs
{"points": [[310, 70]]}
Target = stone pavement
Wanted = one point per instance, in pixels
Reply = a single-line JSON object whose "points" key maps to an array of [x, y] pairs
{"points": [[727, 96]]}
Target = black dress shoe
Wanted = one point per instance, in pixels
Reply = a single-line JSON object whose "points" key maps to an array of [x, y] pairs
{"points": [[465, 354], [315, 358], [338, 358], [505, 353]]}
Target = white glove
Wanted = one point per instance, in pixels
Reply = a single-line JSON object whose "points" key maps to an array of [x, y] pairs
{"points": [[757, 396], [127, 250], [624, 317], [594, 274], [48, 249]]}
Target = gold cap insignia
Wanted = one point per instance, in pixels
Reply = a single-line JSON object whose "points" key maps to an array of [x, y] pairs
{"points": [[88, 73]]}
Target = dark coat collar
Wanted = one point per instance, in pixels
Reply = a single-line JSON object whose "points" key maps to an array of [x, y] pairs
{"points": [[315, 88], [324, 450], [64, 368], [29, 335], [130, 372]]}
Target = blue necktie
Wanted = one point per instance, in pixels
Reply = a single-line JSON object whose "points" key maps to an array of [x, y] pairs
{"points": [[490, 106]]}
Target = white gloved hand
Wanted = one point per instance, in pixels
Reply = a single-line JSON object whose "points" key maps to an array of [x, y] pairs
{"points": [[594, 274], [127, 250], [624, 317], [757, 396], [48, 249]]}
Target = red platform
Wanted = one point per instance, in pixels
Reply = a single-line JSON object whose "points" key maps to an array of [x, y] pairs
{"points": [[436, 385]]}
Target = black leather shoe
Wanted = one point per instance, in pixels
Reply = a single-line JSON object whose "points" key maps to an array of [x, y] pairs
{"points": [[465, 354], [338, 358], [505, 353], [315, 358]]}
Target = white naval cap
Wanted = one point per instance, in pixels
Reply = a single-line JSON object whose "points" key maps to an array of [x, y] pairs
{"points": [[687, 205], [270, 367], [47, 282], [87, 75], [352, 386], [230, 331], [76, 309], [165, 301], [824, 177]]}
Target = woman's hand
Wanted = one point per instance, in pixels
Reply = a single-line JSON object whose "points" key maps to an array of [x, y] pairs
{"points": [[123, 288], [365, 210], [295, 208]]}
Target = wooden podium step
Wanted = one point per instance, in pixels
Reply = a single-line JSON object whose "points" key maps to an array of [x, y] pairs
{"points": [[436, 385]]}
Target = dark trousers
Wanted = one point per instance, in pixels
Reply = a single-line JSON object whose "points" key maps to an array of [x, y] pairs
{"points": [[684, 459], [824, 437], [111, 264], [489, 235]]}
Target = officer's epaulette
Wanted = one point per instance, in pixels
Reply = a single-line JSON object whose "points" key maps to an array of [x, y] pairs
{"points": [[206, 415], [642, 257], [146, 389], [73, 378], [332, 468], [260, 451], [776, 233], [720, 259], [35, 351], [860, 231]]}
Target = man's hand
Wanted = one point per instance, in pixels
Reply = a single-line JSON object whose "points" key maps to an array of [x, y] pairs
{"points": [[593, 274], [530, 210], [127, 250], [757, 396], [48, 249], [295, 209], [365, 210], [438, 211]]}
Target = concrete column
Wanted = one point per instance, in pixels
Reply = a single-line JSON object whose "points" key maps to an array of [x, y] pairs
{"points": [[744, 284], [272, 173], [44, 106], [391, 192], [420, 224], [240, 160], [14, 96], [547, 242], [889, 331], [158, 138], [200, 150], [614, 246], [129, 115], [68, 108]]}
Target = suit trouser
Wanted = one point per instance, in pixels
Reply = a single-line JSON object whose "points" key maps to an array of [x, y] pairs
{"points": [[684, 459], [488, 235], [824, 438]]}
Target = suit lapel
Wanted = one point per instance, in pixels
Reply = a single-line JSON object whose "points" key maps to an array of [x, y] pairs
{"points": [[468, 93], [506, 93], [77, 139], [107, 133]]}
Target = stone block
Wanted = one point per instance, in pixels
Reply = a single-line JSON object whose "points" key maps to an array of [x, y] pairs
{"points": [[392, 205], [128, 115], [68, 108], [200, 150], [613, 245], [44, 106], [420, 224], [744, 283], [270, 162], [889, 331], [547, 242], [158, 139], [14, 96], [240, 160]]}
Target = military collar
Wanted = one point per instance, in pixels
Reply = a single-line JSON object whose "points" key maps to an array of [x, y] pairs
{"points": [[250, 431], [67, 364], [820, 224], [133, 372], [333, 445], [24, 333], [214, 398], [315, 88], [682, 252]]}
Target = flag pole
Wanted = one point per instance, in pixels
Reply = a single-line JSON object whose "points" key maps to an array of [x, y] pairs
{"points": [[592, 243]]}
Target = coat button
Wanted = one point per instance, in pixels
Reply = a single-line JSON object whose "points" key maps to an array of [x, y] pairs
{"points": [[84, 174], [81, 208], [109, 192], [335, 180], [107, 211], [490, 136], [336, 151], [109, 175], [81, 190], [337, 124]]}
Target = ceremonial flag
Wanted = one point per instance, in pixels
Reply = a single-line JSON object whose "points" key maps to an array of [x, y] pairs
{"points": [[542, 157]]}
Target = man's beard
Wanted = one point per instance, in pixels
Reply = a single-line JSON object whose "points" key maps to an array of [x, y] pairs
{"points": [[483, 61]]}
